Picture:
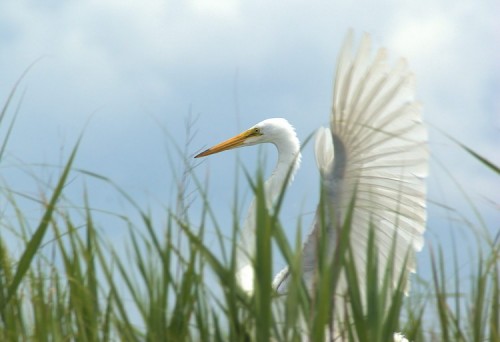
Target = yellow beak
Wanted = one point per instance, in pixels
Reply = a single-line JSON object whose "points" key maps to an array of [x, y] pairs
{"points": [[231, 143]]}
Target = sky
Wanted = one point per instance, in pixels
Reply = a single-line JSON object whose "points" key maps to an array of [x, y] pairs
{"points": [[122, 73]]}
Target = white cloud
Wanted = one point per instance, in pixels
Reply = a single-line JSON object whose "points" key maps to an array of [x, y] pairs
{"points": [[220, 8], [132, 58]]}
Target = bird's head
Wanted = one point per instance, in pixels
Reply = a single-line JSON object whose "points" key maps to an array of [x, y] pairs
{"points": [[267, 131]]}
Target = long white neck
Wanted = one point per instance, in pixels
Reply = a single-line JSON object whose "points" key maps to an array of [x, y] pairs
{"points": [[288, 163]]}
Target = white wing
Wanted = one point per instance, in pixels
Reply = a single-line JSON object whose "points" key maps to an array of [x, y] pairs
{"points": [[377, 144]]}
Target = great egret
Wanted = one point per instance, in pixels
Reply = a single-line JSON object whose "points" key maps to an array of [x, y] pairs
{"points": [[376, 145]]}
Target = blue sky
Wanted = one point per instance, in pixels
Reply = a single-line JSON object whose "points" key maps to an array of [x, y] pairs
{"points": [[124, 69]]}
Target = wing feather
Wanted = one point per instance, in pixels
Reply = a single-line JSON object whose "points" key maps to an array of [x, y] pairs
{"points": [[376, 144], [385, 144]]}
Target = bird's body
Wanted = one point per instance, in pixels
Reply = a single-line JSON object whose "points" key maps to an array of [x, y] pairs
{"points": [[279, 132], [375, 150]]}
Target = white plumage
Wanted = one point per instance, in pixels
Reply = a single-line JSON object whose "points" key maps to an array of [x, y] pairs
{"points": [[375, 149], [376, 143]]}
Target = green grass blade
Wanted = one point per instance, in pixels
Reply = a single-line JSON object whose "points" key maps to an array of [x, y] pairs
{"points": [[440, 292], [6, 106], [473, 153], [36, 240], [263, 266], [495, 305], [480, 158]]}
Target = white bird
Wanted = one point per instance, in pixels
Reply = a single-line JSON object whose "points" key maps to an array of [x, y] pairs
{"points": [[375, 149]]}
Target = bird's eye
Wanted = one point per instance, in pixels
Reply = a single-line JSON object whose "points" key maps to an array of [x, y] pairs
{"points": [[256, 130]]}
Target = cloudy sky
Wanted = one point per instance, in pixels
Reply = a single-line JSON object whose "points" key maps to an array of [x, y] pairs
{"points": [[124, 72]]}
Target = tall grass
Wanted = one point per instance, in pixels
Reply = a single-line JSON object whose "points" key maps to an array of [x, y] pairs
{"points": [[171, 285]]}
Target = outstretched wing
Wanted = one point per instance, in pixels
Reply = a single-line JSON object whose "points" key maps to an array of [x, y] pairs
{"points": [[376, 151]]}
